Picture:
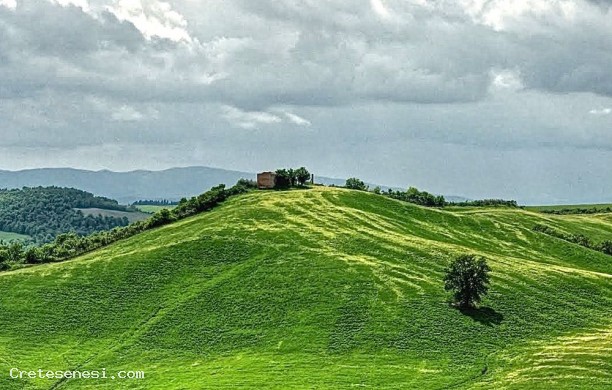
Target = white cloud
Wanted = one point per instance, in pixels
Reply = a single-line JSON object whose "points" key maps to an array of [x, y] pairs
{"points": [[121, 112], [249, 119], [296, 119], [379, 7], [10, 4], [256, 119], [503, 15], [126, 113], [601, 111], [506, 80], [83, 4], [153, 19]]}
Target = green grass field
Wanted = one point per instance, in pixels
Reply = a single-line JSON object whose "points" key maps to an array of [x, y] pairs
{"points": [[150, 209], [132, 216], [321, 288], [9, 236]]}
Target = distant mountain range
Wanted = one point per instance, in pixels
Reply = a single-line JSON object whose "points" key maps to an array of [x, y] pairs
{"points": [[128, 187]]}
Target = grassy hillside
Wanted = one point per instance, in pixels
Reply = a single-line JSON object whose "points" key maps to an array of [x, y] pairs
{"points": [[321, 288]]}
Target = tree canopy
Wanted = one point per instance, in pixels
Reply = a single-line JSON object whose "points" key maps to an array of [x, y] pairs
{"points": [[286, 178], [468, 278], [354, 183], [302, 175], [413, 195]]}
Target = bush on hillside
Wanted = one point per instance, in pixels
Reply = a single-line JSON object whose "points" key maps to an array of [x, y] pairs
{"points": [[246, 183], [355, 184], [606, 247]]}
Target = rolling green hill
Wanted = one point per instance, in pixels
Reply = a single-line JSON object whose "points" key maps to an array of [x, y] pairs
{"points": [[320, 288]]}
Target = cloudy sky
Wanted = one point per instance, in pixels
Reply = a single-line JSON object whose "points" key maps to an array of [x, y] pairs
{"points": [[482, 98]]}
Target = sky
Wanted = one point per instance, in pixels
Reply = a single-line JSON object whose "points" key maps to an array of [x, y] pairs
{"points": [[479, 98]]}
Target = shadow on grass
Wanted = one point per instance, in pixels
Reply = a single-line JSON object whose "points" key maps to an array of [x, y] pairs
{"points": [[485, 315]]}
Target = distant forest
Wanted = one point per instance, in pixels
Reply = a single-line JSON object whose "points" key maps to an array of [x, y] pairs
{"points": [[45, 212]]}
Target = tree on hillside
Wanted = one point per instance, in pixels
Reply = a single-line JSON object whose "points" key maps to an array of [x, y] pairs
{"points": [[283, 178], [14, 252], [302, 175], [355, 184], [292, 176], [468, 278]]}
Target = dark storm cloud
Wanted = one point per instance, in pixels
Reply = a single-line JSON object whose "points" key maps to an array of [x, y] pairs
{"points": [[368, 80], [301, 52]]}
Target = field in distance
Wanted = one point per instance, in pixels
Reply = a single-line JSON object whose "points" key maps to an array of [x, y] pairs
{"points": [[320, 288], [10, 236], [132, 216], [151, 209]]}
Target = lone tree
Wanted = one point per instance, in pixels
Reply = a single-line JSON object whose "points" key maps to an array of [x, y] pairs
{"points": [[468, 278], [302, 175], [355, 184]]}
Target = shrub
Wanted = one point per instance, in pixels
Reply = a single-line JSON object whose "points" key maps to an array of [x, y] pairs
{"points": [[606, 247], [245, 183]]}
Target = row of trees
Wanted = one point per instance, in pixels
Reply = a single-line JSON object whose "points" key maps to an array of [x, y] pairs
{"points": [[580, 210], [68, 245], [580, 239], [286, 178], [412, 195], [151, 202], [486, 203], [424, 198]]}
